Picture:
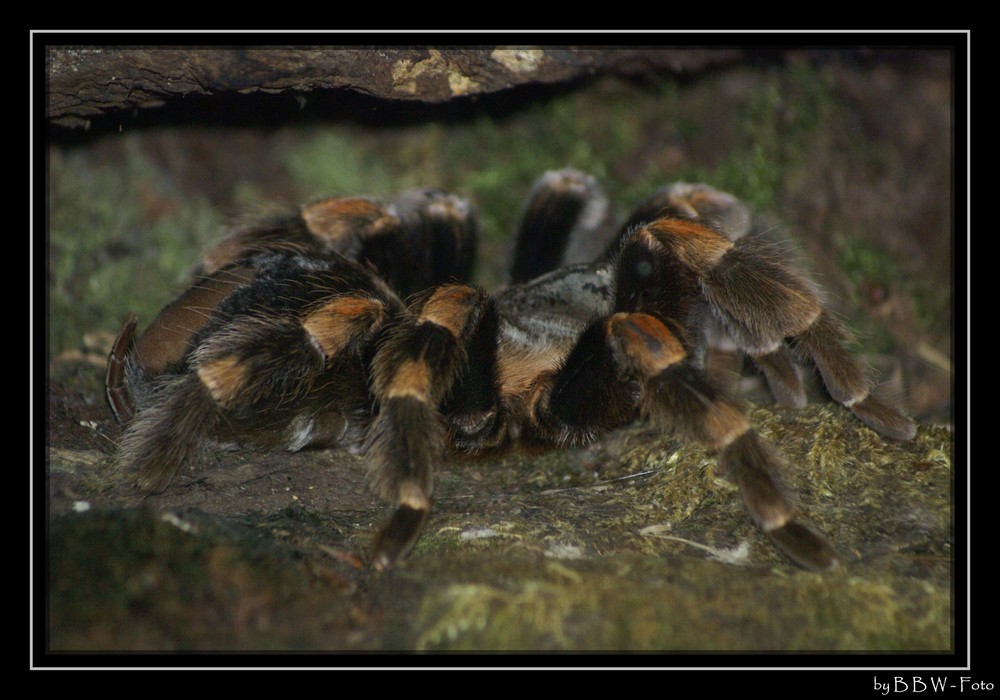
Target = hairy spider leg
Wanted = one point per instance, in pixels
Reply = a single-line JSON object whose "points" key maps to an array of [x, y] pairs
{"points": [[133, 362], [563, 223], [682, 200], [444, 234], [400, 248], [413, 372], [267, 345], [636, 362], [424, 238], [727, 215], [628, 365], [333, 225], [850, 381], [280, 363], [682, 397], [763, 302]]}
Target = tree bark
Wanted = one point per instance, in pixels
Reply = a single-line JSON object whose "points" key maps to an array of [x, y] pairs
{"points": [[84, 81]]}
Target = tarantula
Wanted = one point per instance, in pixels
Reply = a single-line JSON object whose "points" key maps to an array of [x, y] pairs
{"points": [[350, 323]]}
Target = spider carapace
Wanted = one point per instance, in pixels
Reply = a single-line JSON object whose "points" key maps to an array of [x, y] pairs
{"points": [[350, 323]]}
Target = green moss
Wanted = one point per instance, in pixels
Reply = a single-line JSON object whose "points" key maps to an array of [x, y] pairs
{"points": [[335, 162], [775, 126], [673, 604], [875, 272], [867, 263]]}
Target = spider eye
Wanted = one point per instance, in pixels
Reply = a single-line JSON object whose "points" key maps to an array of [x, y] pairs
{"points": [[644, 268]]}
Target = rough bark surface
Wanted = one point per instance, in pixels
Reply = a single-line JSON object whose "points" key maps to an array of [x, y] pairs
{"points": [[84, 82]]}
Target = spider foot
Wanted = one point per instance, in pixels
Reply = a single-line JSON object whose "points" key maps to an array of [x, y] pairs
{"points": [[884, 417], [803, 546], [755, 467], [167, 434], [849, 381], [406, 445], [398, 536]]}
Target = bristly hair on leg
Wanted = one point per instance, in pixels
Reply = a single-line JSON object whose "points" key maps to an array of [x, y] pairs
{"points": [[756, 468], [849, 380], [413, 371], [564, 222], [783, 377], [167, 434]]}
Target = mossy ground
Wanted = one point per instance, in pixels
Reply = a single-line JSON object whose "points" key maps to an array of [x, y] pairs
{"points": [[632, 544], [650, 551]]}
